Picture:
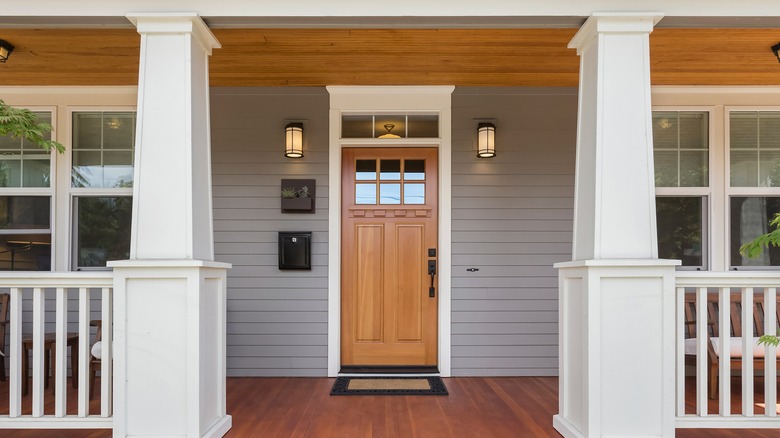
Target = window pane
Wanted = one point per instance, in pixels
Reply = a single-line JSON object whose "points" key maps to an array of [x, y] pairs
{"points": [[42, 117], [681, 148], [769, 168], [37, 173], [423, 126], [769, 130], [10, 173], [389, 127], [390, 170], [357, 127], [750, 218], [665, 130], [680, 229], [118, 130], [87, 130], [414, 193], [414, 170], [743, 130], [365, 170], [390, 193], [103, 149], [25, 252], [25, 212], [665, 168], [103, 230], [365, 194], [693, 169], [744, 168]]}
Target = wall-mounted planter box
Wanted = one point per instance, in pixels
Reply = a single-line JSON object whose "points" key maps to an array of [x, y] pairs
{"points": [[299, 204]]}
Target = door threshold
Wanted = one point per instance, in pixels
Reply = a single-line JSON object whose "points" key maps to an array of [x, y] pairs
{"points": [[389, 370]]}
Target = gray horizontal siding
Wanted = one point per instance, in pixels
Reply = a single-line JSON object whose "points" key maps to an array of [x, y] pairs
{"points": [[277, 320], [512, 219]]}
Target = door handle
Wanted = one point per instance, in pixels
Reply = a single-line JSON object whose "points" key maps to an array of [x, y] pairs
{"points": [[432, 273]]}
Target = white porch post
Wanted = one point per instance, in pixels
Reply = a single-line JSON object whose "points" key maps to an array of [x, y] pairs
{"points": [[170, 296], [616, 297]]}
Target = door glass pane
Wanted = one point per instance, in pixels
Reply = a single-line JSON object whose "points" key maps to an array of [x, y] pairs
{"points": [[365, 170], [414, 193], [365, 194], [390, 193], [103, 230], [390, 170], [750, 218], [680, 229], [414, 170]]}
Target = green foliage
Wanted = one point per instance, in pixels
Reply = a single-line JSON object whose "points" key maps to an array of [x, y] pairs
{"points": [[754, 248], [769, 340], [304, 192], [22, 123], [289, 192]]}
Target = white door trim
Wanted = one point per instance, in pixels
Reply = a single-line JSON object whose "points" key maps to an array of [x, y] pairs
{"points": [[390, 99]]}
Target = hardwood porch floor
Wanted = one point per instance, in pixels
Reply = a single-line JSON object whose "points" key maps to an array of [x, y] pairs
{"points": [[483, 407]]}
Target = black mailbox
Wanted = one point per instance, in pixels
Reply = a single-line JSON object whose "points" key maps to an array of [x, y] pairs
{"points": [[295, 250]]}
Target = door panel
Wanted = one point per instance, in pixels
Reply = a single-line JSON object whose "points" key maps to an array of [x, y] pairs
{"points": [[389, 221]]}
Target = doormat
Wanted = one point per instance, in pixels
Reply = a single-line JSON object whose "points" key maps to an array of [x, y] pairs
{"points": [[389, 386]]}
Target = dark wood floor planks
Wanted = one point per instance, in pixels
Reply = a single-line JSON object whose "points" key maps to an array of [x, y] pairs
{"points": [[485, 407]]}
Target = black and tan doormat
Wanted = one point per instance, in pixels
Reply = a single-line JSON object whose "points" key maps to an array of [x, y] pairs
{"points": [[389, 386]]}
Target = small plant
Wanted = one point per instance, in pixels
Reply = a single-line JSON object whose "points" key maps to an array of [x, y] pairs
{"points": [[304, 192], [289, 192], [23, 123], [754, 249]]}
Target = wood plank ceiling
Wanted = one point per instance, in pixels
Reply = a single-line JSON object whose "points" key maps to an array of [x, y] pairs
{"points": [[462, 57]]}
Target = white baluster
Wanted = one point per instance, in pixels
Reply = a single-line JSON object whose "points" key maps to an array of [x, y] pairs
{"points": [[770, 353], [680, 321], [15, 378], [106, 361], [747, 351], [724, 369], [61, 367], [701, 351], [38, 376], [84, 318]]}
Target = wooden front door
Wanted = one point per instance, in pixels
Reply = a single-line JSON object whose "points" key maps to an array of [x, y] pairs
{"points": [[389, 301]]}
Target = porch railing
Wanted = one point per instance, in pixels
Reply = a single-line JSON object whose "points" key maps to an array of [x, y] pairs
{"points": [[33, 296], [710, 304]]}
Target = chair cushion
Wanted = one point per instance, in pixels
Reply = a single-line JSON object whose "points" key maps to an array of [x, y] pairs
{"points": [[97, 349], [735, 346]]}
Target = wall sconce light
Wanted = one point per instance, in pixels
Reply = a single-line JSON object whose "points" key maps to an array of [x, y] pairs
{"points": [[293, 140], [776, 51], [5, 50], [486, 147]]}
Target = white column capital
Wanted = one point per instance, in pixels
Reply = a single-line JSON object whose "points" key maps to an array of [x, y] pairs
{"points": [[176, 22], [613, 22]]}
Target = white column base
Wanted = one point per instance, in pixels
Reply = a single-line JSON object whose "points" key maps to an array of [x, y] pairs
{"points": [[616, 348], [169, 343]]}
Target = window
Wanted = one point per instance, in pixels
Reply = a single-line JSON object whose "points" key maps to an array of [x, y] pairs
{"points": [[390, 126], [681, 156], [101, 181], [25, 203], [754, 182], [400, 182]]}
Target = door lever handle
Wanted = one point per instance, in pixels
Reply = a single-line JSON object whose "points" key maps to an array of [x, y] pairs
{"points": [[432, 273]]}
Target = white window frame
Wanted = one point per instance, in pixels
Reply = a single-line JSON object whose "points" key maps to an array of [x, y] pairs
{"points": [[707, 193], [740, 191], [75, 192], [41, 191]]}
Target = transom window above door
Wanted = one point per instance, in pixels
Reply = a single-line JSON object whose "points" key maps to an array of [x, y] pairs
{"points": [[390, 126], [390, 181]]}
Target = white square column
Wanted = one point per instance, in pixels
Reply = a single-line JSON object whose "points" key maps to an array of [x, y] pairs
{"points": [[170, 297], [616, 299]]}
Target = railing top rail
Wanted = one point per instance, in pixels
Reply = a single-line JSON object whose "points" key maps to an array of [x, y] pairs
{"points": [[57, 279], [728, 279]]}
